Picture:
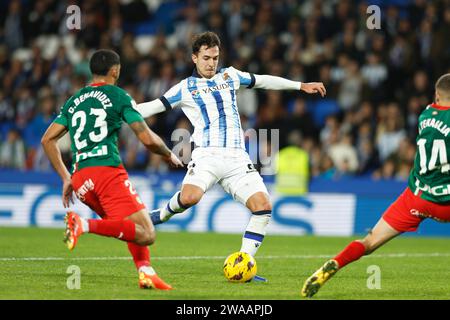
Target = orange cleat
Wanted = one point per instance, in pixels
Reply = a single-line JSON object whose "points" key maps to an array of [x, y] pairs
{"points": [[74, 229], [147, 281]]}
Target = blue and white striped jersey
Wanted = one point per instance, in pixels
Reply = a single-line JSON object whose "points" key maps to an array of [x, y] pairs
{"points": [[211, 106]]}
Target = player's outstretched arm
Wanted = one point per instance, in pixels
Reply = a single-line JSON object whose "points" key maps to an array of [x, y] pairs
{"points": [[278, 83], [154, 143], [148, 109], [49, 142]]}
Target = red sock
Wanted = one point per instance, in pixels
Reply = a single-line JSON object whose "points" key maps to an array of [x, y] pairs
{"points": [[124, 230], [352, 252], [141, 254]]}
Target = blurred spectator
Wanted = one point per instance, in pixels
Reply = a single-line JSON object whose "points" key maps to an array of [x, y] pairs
{"points": [[414, 108], [440, 48], [327, 170], [330, 133], [6, 109], [163, 82], [12, 151], [271, 112], [25, 107], [350, 89], [374, 72], [81, 68], [143, 77], [403, 170], [187, 27], [387, 170], [390, 132], [344, 156], [90, 37], [37, 127], [300, 119], [367, 153], [115, 32], [13, 30]]}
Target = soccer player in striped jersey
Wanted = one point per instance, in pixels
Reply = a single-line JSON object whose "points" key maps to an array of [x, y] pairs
{"points": [[93, 117], [208, 99], [426, 196]]}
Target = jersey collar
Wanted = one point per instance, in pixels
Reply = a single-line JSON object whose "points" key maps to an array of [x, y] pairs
{"points": [[98, 84], [442, 108]]}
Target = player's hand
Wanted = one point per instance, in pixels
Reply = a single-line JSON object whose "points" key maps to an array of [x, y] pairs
{"points": [[173, 161], [314, 87], [67, 194]]}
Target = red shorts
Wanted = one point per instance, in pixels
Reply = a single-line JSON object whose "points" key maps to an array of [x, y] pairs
{"points": [[107, 191], [408, 211]]}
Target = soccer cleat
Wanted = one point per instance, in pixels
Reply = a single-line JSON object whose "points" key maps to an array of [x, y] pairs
{"points": [[74, 229], [147, 281], [155, 216], [318, 279], [259, 279]]}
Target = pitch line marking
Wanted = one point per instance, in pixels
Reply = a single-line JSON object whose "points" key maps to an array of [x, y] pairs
{"points": [[321, 256]]}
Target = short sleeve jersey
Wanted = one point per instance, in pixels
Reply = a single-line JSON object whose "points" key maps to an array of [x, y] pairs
{"points": [[93, 117], [430, 176]]}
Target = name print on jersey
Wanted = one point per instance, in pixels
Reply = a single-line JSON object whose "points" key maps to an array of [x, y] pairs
{"points": [[436, 124], [100, 96]]}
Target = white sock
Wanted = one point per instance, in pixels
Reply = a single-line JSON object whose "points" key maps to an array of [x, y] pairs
{"points": [[173, 207], [147, 270], [250, 246], [84, 225], [255, 232]]}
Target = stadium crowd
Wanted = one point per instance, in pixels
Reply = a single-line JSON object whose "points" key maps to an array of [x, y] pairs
{"points": [[377, 81]]}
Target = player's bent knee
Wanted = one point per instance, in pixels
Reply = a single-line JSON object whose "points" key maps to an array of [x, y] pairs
{"points": [[151, 239], [148, 239], [265, 205], [145, 236], [151, 236], [259, 202], [189, 200]]}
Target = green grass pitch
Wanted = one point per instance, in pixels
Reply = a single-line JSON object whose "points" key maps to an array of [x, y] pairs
{"points": [[34, 264]]}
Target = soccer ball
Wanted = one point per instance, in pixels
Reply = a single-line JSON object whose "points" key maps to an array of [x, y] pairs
{"points": [[239, 267]]}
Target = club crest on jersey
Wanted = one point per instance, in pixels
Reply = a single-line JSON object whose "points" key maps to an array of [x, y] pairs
{"points": [[225, 76], [195, 93]]}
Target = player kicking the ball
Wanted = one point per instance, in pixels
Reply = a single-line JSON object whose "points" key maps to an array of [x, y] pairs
{"points": [[208, 98], [93, 118], [427, 194]]}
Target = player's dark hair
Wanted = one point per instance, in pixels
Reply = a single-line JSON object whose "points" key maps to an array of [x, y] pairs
{"points": [[443, 85], [208, 39], [102, 60]]}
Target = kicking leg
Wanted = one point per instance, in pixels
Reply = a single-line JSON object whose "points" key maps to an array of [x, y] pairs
{"points": [[261, 208], [381, 233], [189, 196], [378, 236]]}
